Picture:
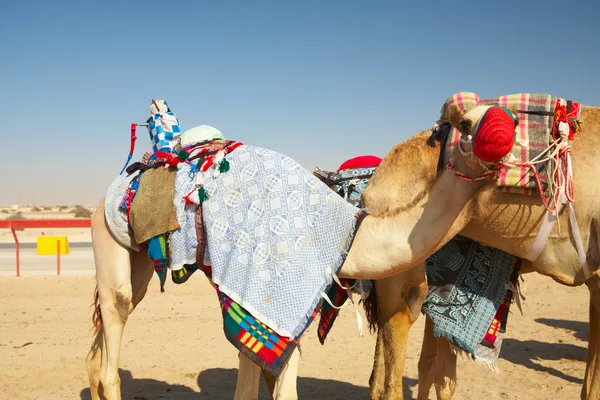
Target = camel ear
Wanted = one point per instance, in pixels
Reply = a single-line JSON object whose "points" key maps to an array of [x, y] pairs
{"points": [[515, 114], [454, 115]]}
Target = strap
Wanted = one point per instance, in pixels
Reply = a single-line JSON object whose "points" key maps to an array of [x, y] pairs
{"points": [[550, 219], [579, 243], [131, 146], [542, 113], [201, 235]]}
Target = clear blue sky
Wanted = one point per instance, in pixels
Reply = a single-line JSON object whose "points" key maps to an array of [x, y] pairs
{"points": [[320, 81]]}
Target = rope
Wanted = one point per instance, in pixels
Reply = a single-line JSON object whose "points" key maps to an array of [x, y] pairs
{"points": [[559, 154], [481, 177]]}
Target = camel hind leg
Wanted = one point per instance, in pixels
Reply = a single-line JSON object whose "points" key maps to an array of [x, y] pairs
{"points": [[437, 366], [591, 383], [122, 281], [399, 301]]}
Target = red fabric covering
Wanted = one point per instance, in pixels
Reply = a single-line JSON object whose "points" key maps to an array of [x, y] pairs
{"points": [[495, 135], [360, 162]]}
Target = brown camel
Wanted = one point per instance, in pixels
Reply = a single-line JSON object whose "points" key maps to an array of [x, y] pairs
{"points": [[504, 221]]}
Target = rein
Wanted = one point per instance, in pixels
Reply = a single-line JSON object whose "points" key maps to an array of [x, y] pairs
{"points": [[558, 152]]}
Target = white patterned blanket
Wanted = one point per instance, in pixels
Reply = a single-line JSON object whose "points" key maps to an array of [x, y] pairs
{"points": [[275, 235]]}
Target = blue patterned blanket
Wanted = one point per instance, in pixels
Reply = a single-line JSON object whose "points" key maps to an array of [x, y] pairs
{"points": [[467, 286], [276, 234]]}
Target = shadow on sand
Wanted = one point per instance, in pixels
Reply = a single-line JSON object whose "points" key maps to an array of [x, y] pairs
{"points": [[579, 329], [526, 353], [219, 384]]}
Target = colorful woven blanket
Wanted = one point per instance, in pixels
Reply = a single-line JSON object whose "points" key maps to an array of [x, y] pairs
{"points": [[468, 299], [533, 135], [265, 347]]}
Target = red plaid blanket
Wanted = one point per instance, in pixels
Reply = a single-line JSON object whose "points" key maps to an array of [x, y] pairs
{"points": [[532, 137]]}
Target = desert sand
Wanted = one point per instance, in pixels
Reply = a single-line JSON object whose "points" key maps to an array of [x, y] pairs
{"points": [[174, 347]]}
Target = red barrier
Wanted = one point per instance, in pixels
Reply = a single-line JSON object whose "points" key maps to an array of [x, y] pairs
{"points": [[46, 223], [13, 225]]}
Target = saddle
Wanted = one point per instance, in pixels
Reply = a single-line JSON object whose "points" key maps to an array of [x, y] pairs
{"points": [[348, 183]]}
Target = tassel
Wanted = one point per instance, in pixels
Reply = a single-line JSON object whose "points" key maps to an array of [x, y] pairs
{"points": [[224, 166], [202, 195], [191, 198], [182, 155]]}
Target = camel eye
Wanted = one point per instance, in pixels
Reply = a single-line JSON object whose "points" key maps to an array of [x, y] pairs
{"points": [[464, 126]]}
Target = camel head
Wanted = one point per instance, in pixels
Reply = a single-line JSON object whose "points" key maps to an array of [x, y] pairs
{"points": [[487, 137]]}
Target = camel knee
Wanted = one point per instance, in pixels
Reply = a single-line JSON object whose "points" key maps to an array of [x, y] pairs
{"points": [[445, 390], [124, 301], [415, 299]]}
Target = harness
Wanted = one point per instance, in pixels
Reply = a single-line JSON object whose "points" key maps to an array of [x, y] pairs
{"points": [[558, 154]]}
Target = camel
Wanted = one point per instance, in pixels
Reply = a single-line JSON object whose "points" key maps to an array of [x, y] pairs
{"points": [[504, 221], [384, 245]]}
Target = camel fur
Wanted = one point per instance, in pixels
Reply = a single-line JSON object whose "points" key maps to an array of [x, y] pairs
{"points": [[505, 221]]}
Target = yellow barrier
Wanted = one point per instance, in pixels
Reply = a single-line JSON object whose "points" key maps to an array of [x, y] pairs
{"points": [[46, 245]]}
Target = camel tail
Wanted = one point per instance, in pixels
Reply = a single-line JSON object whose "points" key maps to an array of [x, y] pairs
{"points": [[370, 305], [97, 314]]}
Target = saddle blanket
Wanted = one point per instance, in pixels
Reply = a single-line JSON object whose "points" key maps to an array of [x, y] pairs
{"points": [[275, 234], [348, 183], [468, 300], [533, 135]]}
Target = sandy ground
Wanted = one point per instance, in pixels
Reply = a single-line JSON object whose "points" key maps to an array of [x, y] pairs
{"points": [[174, 348]]}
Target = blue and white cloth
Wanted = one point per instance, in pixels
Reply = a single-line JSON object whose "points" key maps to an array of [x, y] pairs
{"points": [[116, 219], [163, 127], [276, 234]]}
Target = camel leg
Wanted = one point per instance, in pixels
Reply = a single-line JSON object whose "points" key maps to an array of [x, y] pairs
{"points": [[399, 303], [118, 292], [94, 361], [270, 379], [377, 378], [248, 379], [286, 383], [445, 371], [591, 384], [437, 366], [427, 362]]}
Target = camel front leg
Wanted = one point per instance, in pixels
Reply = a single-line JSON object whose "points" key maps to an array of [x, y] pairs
{"points": [[377, 378], [437, 366], [280, 388], [591, 383], [271, 380], [399, 299], [248, 379], [445, 370], [427, 362], [286, 383]]}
